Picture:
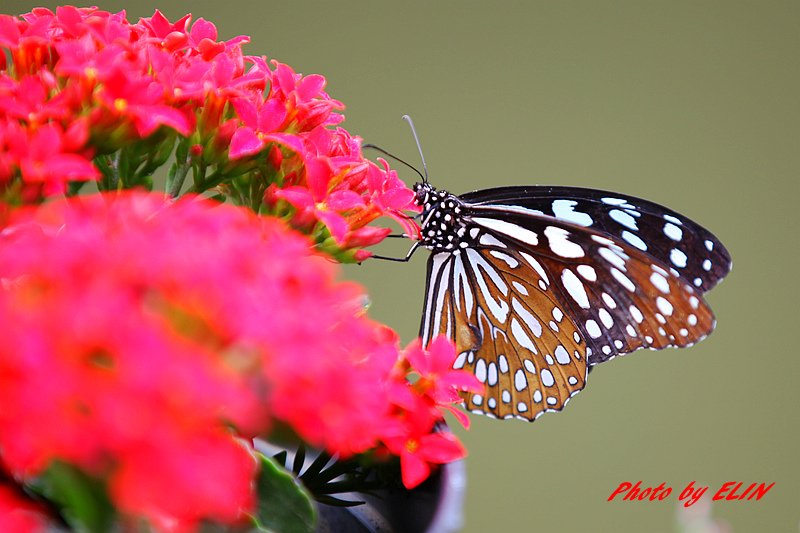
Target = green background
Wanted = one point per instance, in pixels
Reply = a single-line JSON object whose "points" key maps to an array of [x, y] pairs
{"points": [[690, 104]]}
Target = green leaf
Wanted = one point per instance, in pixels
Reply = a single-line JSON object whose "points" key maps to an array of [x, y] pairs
{"points": [[83, 501], [284, 506], [164, 150]]}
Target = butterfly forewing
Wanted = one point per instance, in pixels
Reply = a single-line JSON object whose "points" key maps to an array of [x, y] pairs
{"points": [[668, 237]]}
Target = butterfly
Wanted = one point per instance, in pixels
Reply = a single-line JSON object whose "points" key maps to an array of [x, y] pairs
{"points": [[537, 284]]}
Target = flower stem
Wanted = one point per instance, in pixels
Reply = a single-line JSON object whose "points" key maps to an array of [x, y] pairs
{"points": [[176, 179]]}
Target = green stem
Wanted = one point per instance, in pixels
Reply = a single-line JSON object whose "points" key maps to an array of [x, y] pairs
{"points": [[203, 184], [175, 185], [113, 178]]}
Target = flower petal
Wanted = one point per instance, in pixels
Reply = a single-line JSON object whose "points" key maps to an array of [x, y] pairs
{"points": [[244, 142], [413, 470]]}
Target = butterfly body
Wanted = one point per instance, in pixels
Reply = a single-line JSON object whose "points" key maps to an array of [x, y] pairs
{"points": [[537, 284]]}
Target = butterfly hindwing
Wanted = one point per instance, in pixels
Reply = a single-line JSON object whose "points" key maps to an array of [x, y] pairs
{"points": [[508, 330]]}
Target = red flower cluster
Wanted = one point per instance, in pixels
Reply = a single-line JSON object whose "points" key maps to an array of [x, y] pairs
{"points": [[89, 96], [419, 408], [146, 341]]}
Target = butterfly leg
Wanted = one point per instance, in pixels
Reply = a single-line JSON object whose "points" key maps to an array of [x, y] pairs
{"points": [[399, 259]]}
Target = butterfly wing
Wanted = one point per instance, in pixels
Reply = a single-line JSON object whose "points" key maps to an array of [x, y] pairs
{"points": [[540, 295], [669, 238], [625, 293], [507, 330]]}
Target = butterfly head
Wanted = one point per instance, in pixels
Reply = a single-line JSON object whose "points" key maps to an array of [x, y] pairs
{"points": [[423, 193], [442, 226]]}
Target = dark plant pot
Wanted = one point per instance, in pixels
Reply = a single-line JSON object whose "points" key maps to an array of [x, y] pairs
{"points": [[436, 506]]}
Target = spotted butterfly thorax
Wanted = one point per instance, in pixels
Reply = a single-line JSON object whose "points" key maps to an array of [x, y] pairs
{"points": [[537, 284]]}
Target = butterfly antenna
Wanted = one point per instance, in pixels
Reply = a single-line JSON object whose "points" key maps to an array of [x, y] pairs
{"points": [[388, 154], [419, 147]]}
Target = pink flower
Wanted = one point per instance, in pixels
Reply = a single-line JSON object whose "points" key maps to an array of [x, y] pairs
{"points": [[141, 101], [419, 452], [137, 86], [46, 155], [230, 324], [437, 378]]}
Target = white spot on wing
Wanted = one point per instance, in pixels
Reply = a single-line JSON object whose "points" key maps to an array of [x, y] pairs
{"points": [[587, 272], [593, 329], [677, 257], [461, 284], [547, 378], [533, 324], [602, 240], [612, 258], [491, 377], [575, 288], [659, 282], [503, 362], [536, 266], [634, 240], [480, 370], [605, 318], [561, 355], [521, 336], [520, 381], [664, 305], [507, 228], [613, 201], [498, 308], [623, 279], [609, 301], [673, 232], [507, 259], [560, 243], [564, 210], [623, 218], [520, 288], [490, 240]]}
